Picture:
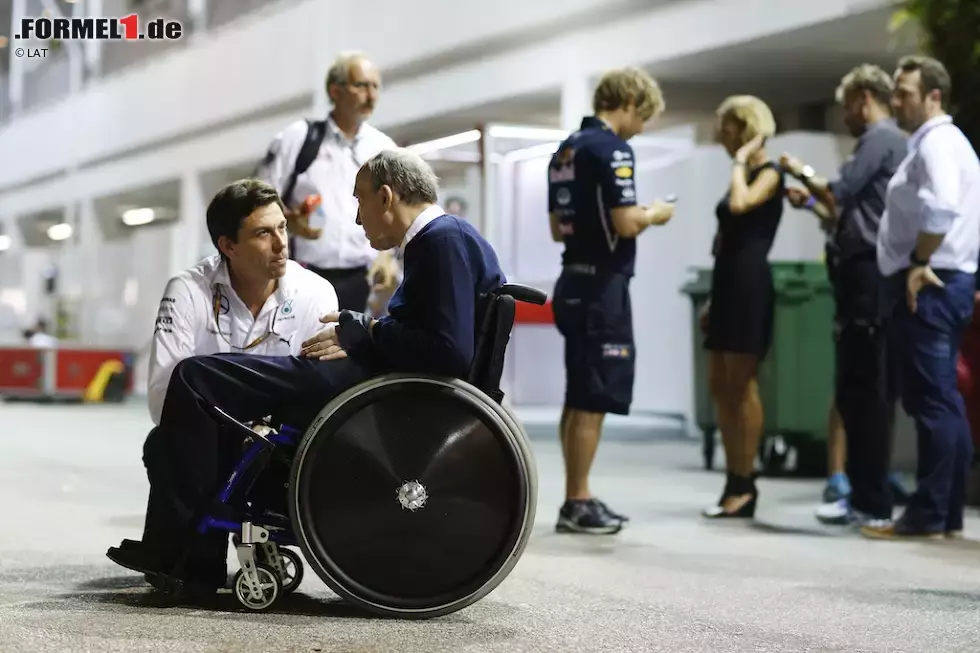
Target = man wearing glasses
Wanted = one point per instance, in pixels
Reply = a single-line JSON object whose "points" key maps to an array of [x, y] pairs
{"points": [[250, 298], [313, 165]]}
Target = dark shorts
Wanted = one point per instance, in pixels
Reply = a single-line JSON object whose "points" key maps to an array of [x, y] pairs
{"points": [[593, 314]]}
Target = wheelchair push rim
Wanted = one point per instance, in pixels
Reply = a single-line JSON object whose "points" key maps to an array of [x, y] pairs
{"points": [[412, 496]]}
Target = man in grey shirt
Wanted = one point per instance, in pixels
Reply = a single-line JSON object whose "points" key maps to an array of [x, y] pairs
{"points": [[853, 205]]}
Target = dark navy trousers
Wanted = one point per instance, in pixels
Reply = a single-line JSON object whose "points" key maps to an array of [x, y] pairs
{"points": [[864, 391], [929, 341], [190, 455]]}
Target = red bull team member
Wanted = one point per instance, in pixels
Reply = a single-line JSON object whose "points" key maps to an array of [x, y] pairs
{"points": [[593, 211]]}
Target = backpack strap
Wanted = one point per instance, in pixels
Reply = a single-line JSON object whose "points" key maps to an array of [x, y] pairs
{"points": [[315, 130]]}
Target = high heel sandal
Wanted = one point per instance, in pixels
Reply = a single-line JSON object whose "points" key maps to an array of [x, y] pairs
{"points": [[735, 486]]}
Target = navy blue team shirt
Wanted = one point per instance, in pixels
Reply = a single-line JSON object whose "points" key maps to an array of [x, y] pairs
{"points": [[590, 175], [431, 323]]}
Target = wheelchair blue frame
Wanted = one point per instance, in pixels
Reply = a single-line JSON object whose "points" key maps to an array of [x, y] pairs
{"points": [[287, 436], [495, 322]]}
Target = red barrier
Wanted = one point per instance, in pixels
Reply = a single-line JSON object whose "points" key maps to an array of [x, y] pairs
{"points": [[968, 371], [21, 370], [525, 313], [60, 372], [75, 368]]}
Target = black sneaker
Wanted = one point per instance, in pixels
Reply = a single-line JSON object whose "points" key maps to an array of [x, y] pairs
{"points": [[586, 516], [611, 513]]}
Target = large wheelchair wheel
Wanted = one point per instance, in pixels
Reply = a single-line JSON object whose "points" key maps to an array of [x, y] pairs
{"points": [[413, 497]]}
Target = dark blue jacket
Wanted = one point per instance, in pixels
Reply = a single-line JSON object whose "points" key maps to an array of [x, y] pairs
{"points": [[430, 327]]}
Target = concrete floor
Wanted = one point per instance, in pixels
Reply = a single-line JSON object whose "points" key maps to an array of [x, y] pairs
{"points": [[72, 484]]}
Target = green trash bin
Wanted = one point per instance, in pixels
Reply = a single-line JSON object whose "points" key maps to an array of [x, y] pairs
{"points": [[699, 289], [797, 378]]}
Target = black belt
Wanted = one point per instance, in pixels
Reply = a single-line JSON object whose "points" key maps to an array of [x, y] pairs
{"points": [[339, 272], [581, 268]]}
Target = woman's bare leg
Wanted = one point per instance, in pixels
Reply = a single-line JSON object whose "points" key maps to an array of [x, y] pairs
{"points": [[747, 406]]}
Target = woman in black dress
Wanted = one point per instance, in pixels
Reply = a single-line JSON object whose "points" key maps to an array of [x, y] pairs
{"points": [[738, 318]]}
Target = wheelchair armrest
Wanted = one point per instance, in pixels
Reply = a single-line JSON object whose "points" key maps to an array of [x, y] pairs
{"points": [[523, 293]]}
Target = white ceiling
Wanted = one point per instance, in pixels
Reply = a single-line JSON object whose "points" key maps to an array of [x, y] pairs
{"points": [[790, 69], [794, 67]]}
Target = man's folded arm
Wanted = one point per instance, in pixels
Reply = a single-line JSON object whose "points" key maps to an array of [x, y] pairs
{"points": [[444, 344]]}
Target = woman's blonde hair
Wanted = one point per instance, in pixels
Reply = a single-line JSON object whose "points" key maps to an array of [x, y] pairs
{"points": [[619, 88], [751, 114]]}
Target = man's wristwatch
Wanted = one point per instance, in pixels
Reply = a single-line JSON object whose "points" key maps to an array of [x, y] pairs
{"points": [[807, 171], [916, 261]]}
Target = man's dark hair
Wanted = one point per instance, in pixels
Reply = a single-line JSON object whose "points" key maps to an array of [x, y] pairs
{"points": [[235, 202], [871, 79], [932, 73]]}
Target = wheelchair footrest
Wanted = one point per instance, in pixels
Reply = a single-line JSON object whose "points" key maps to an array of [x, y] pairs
{"points": [[243, 428]]}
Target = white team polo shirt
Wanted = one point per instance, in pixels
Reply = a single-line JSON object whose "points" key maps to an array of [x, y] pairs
{"points": [[331, 176], [200, 314]]}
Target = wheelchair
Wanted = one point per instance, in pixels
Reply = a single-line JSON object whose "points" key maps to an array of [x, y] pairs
{"points": [[411, 496]]}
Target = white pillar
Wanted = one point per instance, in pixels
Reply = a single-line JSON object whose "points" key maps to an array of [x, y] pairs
{"points": [[474, 191], [186, 246], [76, 56], [323, 56], [16, 82], [8, 227], [576, 101], [92, 48], [71, 277], [197, 10], [88, 242]]}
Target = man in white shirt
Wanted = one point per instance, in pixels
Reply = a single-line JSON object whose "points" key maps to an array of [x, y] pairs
{"points": [[249, 298], [928, 250], [327, 240], [39, 336]]}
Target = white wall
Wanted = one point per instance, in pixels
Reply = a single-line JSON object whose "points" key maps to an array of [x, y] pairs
{"points": [[468, 58], [663, 32], [236, 72]]}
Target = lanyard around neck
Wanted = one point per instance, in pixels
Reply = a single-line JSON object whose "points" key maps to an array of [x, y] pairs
{"points": [[217, 325]]}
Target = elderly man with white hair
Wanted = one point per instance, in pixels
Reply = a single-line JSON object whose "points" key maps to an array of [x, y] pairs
{"points": [[429, 330], [319, 159]]}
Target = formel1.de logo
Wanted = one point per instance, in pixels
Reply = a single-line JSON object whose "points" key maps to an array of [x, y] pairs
{"points": [[102, 29]]}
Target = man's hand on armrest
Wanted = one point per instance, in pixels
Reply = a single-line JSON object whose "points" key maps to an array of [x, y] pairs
{"points": [[347, 331]]}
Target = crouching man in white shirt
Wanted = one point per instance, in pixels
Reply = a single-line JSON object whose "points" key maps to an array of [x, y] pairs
{"points": [[928, 247], [249, 298]]}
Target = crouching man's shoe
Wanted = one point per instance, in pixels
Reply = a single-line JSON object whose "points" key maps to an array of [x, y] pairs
{"points": [[199, 578]]}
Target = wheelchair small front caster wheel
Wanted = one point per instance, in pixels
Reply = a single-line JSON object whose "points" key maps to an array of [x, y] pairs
{"points": [[292, 567], [269, 588]]}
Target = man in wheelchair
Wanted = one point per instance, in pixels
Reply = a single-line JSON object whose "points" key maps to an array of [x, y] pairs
{"points": [[429, 330]]}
